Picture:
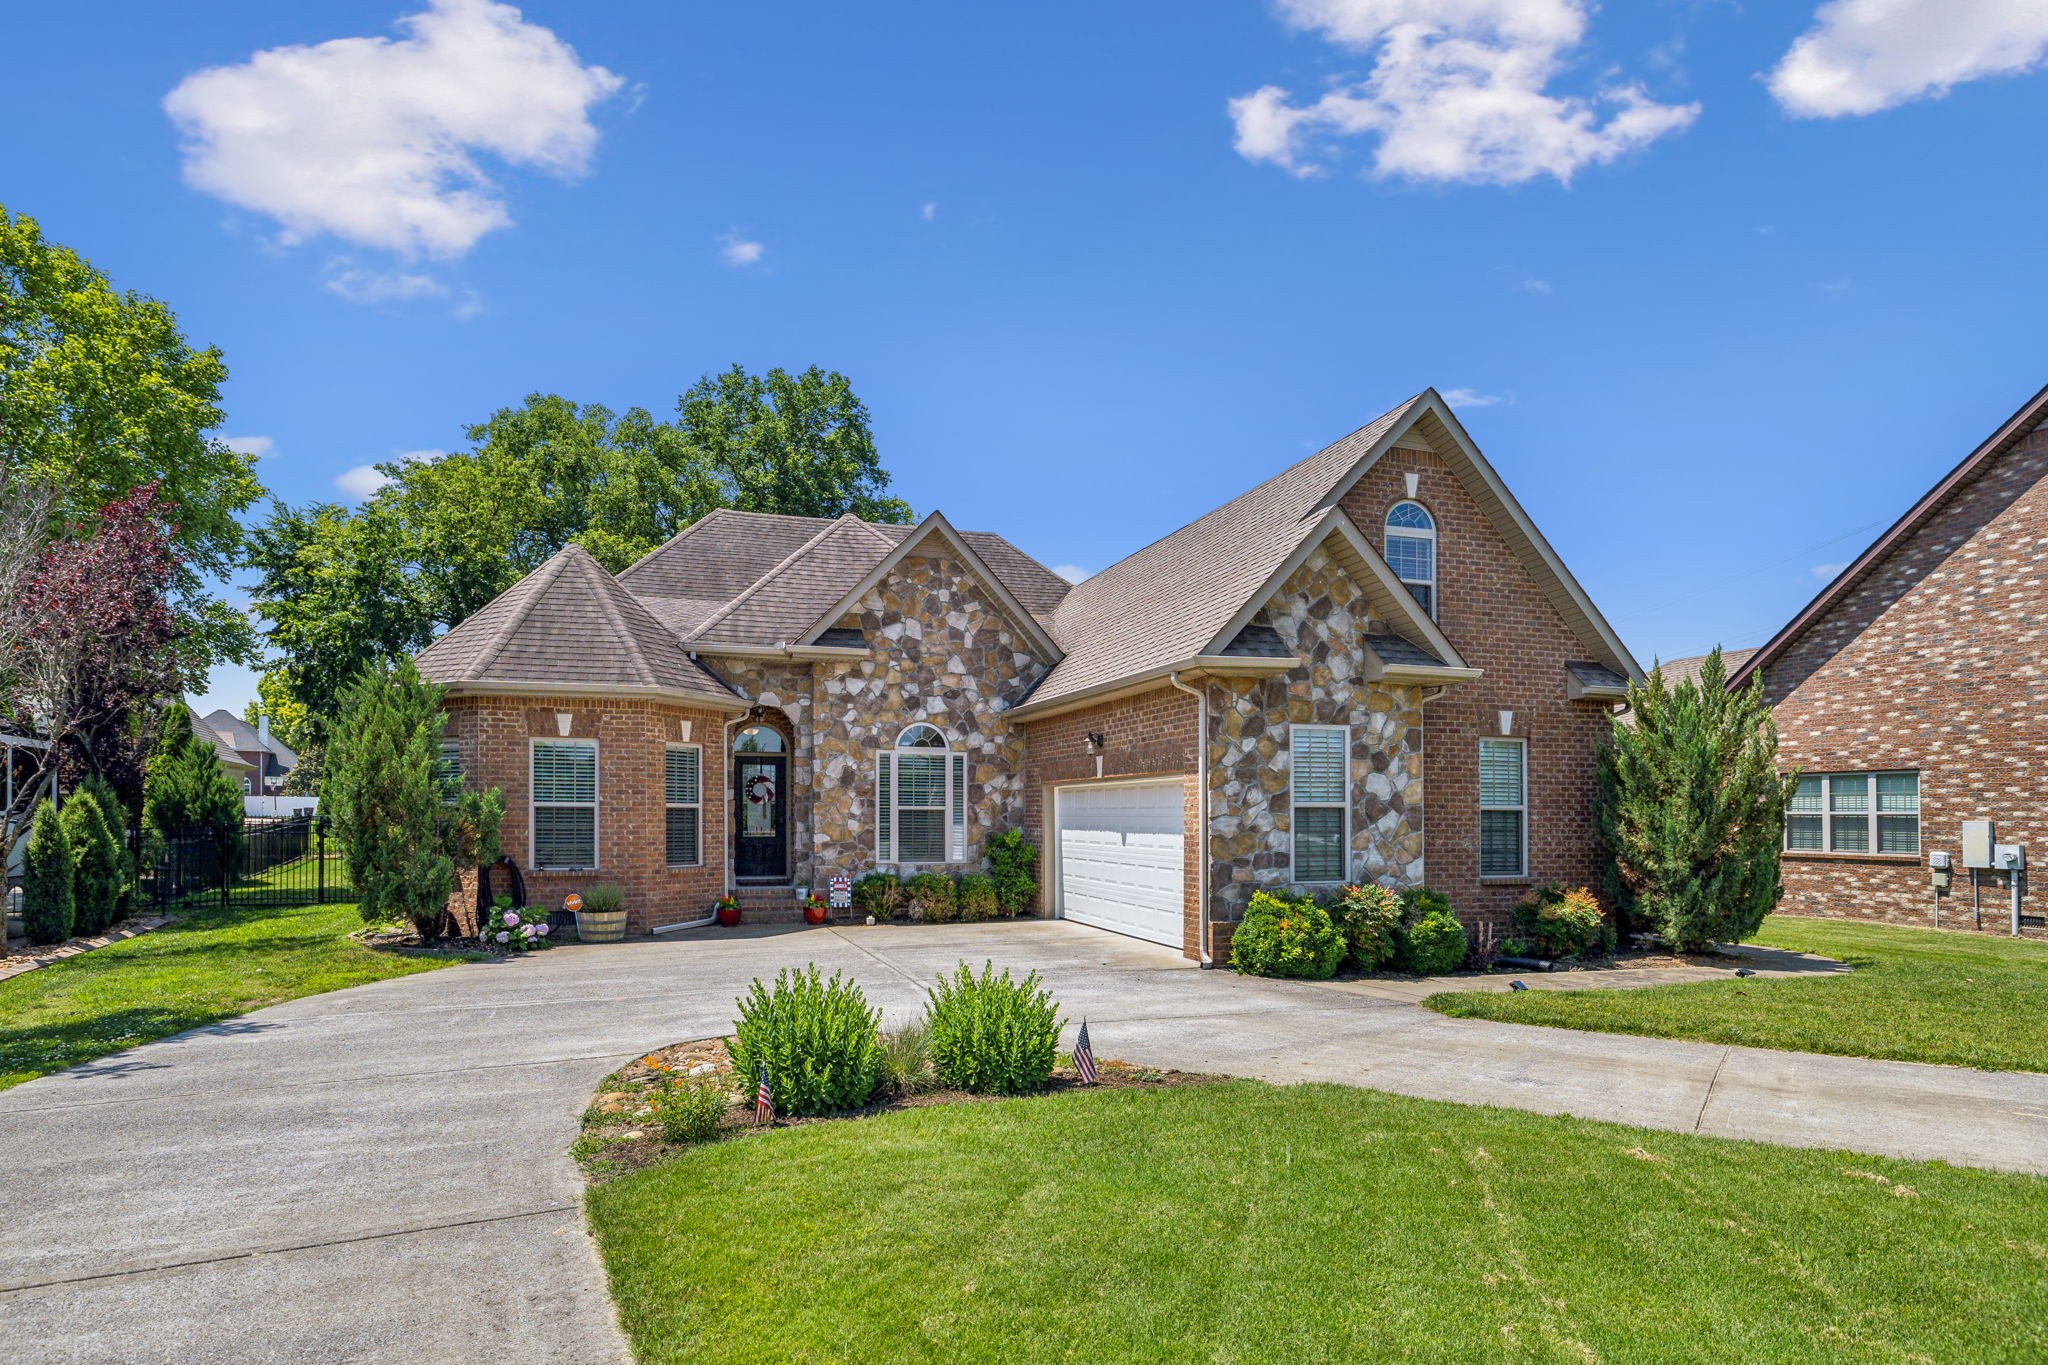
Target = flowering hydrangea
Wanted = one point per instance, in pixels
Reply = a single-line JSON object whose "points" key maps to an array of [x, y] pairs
{"points": [[516, 932]]}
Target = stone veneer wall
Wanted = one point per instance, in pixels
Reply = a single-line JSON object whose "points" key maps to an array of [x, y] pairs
{"points": [[1499, 618], [1320, 614], [1932, 663], [785, 689], [946, 653], [494, 736]]}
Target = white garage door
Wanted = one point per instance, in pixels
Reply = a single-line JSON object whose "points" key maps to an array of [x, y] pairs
{"points": [[1121, 858]]}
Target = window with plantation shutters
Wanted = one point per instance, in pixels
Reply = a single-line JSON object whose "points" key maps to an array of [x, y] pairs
{"points": [[1854, 813], [1503, 808], [684, 806], [448, 770], [1321, 786], [921, 800], [564, 804]]}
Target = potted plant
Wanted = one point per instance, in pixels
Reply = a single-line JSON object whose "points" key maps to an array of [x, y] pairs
{"points": [[814, 909], [728, 910], [601, 918], [803, 892]]}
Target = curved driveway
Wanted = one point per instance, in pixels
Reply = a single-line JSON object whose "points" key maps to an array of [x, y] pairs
{"points": [[382, 1173]]}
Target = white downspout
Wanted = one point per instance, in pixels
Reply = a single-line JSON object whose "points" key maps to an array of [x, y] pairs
{"points": [[1201, 697]]}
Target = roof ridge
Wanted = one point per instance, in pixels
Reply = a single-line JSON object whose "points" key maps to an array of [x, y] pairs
{"points": [[792, 557], [517, 616], [618, 620]]}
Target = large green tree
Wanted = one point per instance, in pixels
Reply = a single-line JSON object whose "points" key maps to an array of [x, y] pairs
{"points": [[101, 394], [340, 591], [386, 800], [1692, 808]]}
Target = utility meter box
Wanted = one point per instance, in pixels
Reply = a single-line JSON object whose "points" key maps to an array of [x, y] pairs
{"points": [[1977, 844], [1938, 860], [2010, 857]]}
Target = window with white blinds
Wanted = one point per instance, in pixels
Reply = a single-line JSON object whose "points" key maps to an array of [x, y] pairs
{"points": [[921, 801], [1503, 808], [564, 804], [448, 769], [1854, 813], [682, 796], [1321, 790], [1411, 551]]}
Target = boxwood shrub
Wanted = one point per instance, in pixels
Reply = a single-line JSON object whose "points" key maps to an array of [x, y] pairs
{"points": [[1283, 937], [815, 1036], [879, 894], [978, 898], [932, 897], [989, 1034], [1430, 940]]}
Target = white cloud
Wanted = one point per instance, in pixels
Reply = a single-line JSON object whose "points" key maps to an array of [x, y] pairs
{"points": [[362, 481], [364, 284], [1826, 572], [262, 447], [930, 210], [1457, 92], [1473, 398], [1532, 285], [738, 251], [375, 140], [1073, 573], [1861, 56], [427, 456]]}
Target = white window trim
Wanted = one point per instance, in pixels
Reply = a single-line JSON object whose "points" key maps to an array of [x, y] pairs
{"points": [[1344, 806], [450, 771], [668, 805], [1388, 531], [1521, 874], [888, 843], [1826, 815], [596, 796]]}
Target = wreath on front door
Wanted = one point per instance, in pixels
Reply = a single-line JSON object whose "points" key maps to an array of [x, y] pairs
{"points": [[761, 789]]}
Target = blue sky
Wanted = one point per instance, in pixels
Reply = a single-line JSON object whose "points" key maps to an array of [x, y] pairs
{"points": [[1720, 288]]}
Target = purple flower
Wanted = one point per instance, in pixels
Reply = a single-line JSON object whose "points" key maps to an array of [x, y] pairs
{"points": [[540, 931], [511, 919], [504, 937]]}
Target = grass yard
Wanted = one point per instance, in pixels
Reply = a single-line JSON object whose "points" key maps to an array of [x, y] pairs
{"points": [[1247, 1222], [1916, 995], [212, 964]]}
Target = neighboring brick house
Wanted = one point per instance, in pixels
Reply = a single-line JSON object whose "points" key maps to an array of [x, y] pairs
{"points": [[267, 757], [1910, 696], [1272, 696]]}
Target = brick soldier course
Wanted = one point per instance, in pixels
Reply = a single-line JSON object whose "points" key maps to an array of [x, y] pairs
{"points": [[1182, 668]]}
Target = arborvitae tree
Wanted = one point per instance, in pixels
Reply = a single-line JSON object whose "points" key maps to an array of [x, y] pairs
{"points": [[1692, 808], [46, 905], [385, 797], [116, 816], [184, 790], [95, 863]]}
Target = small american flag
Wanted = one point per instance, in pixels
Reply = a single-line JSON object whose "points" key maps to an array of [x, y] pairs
{"points": [[1084, 1056], [764, 1099]]}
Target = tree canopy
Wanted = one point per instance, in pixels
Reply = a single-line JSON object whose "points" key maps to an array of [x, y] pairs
{"points": [[342, 590], [101, 394]]}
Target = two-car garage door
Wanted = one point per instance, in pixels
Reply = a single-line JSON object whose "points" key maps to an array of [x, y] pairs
{"points": [[1121, 850]]}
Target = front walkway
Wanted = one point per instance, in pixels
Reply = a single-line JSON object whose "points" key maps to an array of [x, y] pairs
{"points": [[382, 1173]]}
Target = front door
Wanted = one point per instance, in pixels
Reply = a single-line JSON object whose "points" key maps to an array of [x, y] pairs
{"points": [[761, 796]]}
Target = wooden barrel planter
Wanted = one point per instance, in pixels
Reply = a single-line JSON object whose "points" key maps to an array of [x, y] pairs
{"points": [[597, 926]]}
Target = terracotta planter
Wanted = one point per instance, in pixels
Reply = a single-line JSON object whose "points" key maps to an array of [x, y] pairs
{"points": [[728, 915], [814, 914]]}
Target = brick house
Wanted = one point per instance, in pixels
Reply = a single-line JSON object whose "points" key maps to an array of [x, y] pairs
{"points": [[1272, 696], [1909, 695]]}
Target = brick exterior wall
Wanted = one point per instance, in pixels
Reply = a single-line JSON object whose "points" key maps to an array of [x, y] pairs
{"points": [[1501, 621], [495, 735], [1933, 663]]}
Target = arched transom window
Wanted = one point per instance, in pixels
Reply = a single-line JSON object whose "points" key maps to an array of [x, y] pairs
{"points": [[1411, 551], [921, 799]]}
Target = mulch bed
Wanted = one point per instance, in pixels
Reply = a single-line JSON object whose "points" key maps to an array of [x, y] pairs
{"points": [[407, 942], [621, 1135]]}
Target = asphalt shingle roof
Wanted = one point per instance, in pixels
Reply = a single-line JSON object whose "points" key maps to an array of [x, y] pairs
{"points": [[1687, 669], [1396, 652], [568, 622]]}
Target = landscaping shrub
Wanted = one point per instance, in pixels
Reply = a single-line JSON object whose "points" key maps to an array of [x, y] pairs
{"points": [[116, 816], [906, 1063], [1013, 865], [1417, 901], [688, 1110], [991, 1035], [1281, 937], [932, 898], [46, 879], [604, 898], [184, 790], [1368, 916], [815, 1036], [385, 793], [1555, 922], [95, 864], [879, 894], [1433, 945], [517, 931], [977, 896]]}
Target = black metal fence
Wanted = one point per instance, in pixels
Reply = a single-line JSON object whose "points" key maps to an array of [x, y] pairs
{"points": [[287, 861]]}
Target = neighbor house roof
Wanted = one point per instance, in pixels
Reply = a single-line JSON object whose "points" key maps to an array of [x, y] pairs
{"points": [[569, 626], [1676, 671], [246, 738], [222, 750], [2009, 434]]}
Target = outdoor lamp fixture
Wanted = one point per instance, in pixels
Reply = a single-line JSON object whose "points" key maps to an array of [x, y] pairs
{"points": [[1744, 972], [1095, 742], [1518, 985]]}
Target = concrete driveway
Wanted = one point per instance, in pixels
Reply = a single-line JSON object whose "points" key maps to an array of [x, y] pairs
{"points": [[382, 1173]]}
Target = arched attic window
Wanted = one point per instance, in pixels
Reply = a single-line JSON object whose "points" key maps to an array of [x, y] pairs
{"points": [[921, 799], [1411, 551]]}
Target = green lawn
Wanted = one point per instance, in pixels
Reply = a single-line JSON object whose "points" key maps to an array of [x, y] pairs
{"points": [[212, 964], [1917, 995], [1246, 1222]]}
